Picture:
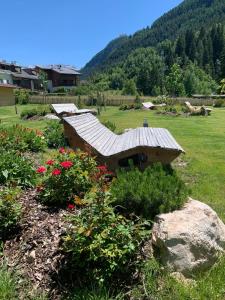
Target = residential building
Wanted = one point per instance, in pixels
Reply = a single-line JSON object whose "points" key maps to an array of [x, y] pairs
{"points": [[11, 73], [60, 76]]}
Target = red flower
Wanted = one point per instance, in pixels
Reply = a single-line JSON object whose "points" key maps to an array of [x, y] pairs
{"points": [[56, 172], [66, 164], [102, 168], [41, 169], [62, 150], [71, 206], [50, 162]]}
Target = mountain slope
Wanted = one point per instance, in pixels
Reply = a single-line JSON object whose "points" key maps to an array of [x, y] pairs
{"points": [[190, 14]]}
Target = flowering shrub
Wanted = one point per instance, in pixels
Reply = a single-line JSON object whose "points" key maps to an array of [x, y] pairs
{"points": [[20, 138], [16, 170], [103, 244], [68, 175], [10, 211]]}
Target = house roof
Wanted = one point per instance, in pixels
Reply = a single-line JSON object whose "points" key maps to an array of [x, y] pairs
{"points": [[24, 74], [108, 143], [61, 69]]}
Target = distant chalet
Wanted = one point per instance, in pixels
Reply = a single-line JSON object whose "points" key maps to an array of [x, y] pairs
{"points": [[143, 146], [60, 76]]}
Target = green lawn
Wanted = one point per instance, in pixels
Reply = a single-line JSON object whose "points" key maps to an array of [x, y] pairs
{"points": [[8, 116], [203, 139]]}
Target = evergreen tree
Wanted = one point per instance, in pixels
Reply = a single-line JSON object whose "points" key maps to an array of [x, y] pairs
{"points": [[174, 81]]}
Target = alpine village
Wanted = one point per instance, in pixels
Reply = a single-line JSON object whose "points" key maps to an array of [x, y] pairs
{"points": [[112, 176]]}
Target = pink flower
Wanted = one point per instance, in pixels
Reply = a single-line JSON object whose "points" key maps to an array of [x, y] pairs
{"points": [[66, 164], [62, 150], [56, 172], [50, 162], [71, 206], [41, 169]]}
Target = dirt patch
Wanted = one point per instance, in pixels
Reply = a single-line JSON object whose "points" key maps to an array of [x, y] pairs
{"points": [[35, 252]]}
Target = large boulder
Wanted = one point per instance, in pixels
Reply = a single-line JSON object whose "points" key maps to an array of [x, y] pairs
{"points": [[189, 240]]}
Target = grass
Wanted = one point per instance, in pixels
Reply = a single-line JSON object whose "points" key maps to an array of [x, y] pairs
{"points": [[203, 139], [8, 116], [7, 285]]}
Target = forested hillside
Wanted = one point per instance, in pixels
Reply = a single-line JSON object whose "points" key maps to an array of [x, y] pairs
{"points": [[183, 22]]}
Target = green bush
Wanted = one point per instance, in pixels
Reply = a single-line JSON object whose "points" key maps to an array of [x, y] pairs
{"points": [[123, 107], [219, 103], [110, 125], [20, 138], [27, 114], [171, 109], [61, 90], [10, 211], [148, 193], [65, 177], [137, 106], [103, 244], [22, 96], [16, 170], [54, 134]]}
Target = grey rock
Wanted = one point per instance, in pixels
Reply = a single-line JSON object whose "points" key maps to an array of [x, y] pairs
{"points": [[189, 240]]}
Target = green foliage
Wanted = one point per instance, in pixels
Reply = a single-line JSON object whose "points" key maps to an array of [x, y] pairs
{"points": [[137, 106], [10, 211], [8, 288], [129, 87], [110, 125], [148, 193], [103, 244], [222, 87], [189, 25], [83, 89], [61, 90], [123, 107], [117, 79], [94, 292], [174, 81], [43, 78], [219, 103], [54, 134], [22, 96], [196, 81], [16, 169], [64, 177], [22, 139], [27, 114], [146, 67]]}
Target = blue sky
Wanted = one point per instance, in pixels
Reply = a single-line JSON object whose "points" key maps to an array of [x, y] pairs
{"points": [[70, 31]]}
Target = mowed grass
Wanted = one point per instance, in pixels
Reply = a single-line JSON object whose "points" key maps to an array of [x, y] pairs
{"points": [[203, 139], [8, 116]]}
